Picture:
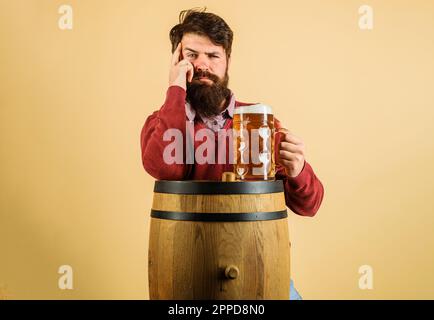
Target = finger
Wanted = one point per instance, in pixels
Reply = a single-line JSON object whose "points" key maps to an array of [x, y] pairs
{"points": [[293, 139], [286, 155], [291, 147], [286, 164], [186, 67], [176, 54], [190, 72], [184, 63]]}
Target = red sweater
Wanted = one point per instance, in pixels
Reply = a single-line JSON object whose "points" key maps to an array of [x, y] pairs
{"points": [[303, 194]]}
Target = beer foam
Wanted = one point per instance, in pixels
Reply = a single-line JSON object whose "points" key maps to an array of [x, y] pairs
{"points": [[256, 108]]}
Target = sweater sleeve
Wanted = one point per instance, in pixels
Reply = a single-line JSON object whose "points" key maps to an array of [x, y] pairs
{"points": [[303, 193], [170, 116]]}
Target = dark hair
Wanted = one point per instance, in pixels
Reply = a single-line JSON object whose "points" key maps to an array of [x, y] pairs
{"points": [[202, 23]]}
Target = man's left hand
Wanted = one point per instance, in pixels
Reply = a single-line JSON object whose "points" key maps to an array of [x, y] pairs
{"points": [[291, 152]]}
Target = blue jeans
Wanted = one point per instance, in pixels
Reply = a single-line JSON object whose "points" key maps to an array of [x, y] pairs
{"points": [[293, 293]]}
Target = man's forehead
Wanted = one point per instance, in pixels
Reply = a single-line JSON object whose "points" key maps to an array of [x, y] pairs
{"points": [[199, 43]]}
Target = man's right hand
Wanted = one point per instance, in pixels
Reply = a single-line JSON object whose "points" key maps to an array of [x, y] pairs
{"points": [[180, 71]]}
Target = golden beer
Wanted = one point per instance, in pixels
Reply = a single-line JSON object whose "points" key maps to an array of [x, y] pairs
{"points": [[253, 138]]}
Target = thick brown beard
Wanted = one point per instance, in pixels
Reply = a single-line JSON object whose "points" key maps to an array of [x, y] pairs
{"points": [[205, 98]]}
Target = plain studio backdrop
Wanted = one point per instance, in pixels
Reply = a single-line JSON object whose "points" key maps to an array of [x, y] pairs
{"points": [[72, 104]]}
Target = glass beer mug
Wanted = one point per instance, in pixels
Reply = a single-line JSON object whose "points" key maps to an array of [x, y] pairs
{"points": [[253, 138]]}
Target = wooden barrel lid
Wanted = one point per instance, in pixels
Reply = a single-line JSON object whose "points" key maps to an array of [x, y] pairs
{"points": [[218, 187]]}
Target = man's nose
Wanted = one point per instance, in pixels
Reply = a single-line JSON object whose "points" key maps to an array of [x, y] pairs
{"points": [[201, 64], [201, 68]]}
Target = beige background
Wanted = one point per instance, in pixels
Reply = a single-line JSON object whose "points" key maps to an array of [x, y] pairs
{"points": [[73, 190]]}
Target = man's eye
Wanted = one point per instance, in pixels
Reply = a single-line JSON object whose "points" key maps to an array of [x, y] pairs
{"points": [[191, 55], [214, 56]]}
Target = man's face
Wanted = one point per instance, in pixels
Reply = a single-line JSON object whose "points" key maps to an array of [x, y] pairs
{"points": [[204, 55], [208, 91]]}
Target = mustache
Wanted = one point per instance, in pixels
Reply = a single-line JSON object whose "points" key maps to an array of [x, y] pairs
{"points": [[205, 74]]}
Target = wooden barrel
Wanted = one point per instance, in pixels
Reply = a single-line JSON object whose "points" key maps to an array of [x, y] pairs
{"points": [[219, 240]]}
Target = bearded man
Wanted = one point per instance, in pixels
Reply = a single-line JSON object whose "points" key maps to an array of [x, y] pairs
{"points": [[198, 93]]}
